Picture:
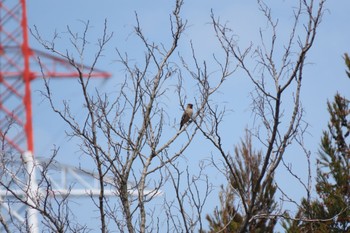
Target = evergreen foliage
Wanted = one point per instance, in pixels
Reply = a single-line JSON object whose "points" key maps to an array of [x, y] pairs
{"points": [[235, 198]]}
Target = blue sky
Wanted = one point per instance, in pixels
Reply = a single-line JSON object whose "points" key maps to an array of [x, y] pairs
{"points": [[324, 74]]}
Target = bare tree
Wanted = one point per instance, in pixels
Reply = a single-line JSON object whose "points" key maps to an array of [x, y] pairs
{"points": [[135, 146], [275, 76], [127, 135]]}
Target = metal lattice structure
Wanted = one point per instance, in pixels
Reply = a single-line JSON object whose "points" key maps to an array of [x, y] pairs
{"points": [[63, 180], [18, 68]]}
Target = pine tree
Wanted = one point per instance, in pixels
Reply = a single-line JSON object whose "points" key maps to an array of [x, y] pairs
{"points": [[246, 167], [333, 182], [227, 219]]}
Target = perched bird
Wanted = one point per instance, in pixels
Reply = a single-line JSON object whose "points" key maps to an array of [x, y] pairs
{"points": [[187, 115]]}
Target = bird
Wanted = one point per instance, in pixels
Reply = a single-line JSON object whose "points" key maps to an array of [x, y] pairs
{"points": [[187, 115]]}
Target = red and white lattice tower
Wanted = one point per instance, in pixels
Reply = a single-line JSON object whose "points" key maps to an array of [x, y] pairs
{"points": [[18, 68]]}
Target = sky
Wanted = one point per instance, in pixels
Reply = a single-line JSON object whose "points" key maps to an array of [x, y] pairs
{"points": [[324, 73]]}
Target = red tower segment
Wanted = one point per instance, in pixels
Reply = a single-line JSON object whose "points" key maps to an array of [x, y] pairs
{"points": [[18, 67], [26, 77]]}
